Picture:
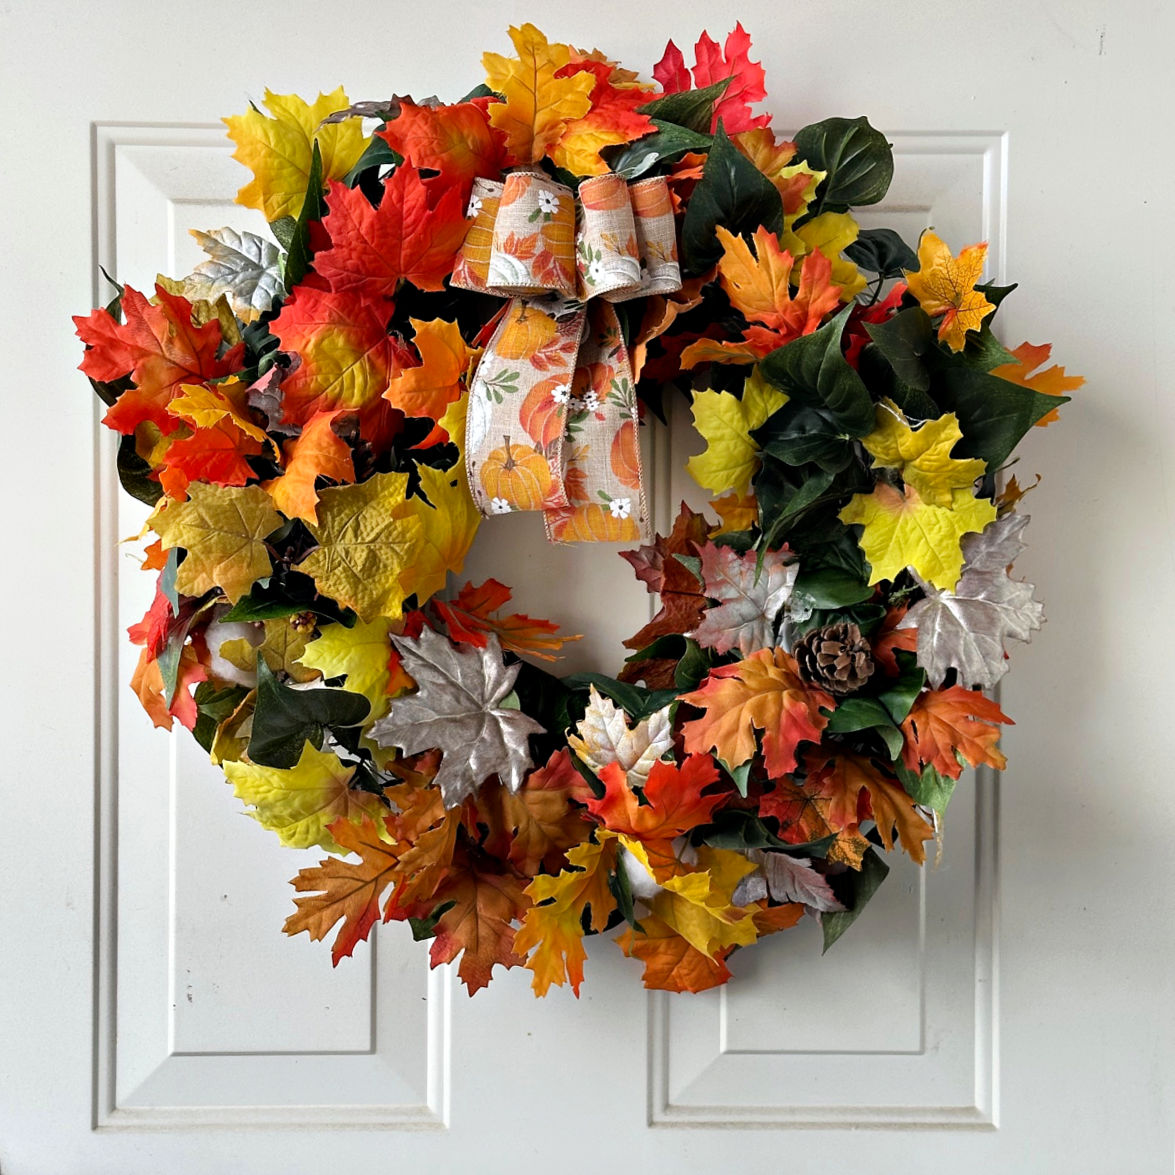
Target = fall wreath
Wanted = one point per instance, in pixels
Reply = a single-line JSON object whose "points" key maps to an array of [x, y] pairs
{"points": [[469, 311]]}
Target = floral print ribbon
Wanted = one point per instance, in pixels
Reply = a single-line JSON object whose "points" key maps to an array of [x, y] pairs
{"points": [[552, 418]]}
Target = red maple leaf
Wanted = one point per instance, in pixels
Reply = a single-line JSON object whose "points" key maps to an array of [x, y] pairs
{"points": [[159, 348], [455, 140], [475, 616], [412, 236]]}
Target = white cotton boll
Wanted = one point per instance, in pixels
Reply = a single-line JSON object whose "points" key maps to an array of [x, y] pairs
{"points": [[215, 635], [640, 880]]}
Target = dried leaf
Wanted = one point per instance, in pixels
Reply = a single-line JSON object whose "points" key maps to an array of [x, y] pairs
{"points": [[457, 710], [786, 879]]}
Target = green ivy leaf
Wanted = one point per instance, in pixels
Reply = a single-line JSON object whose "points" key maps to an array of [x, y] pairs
{"points": [[826, 587], [298, 252], [691, 109], [928, 788], [285, 718], [733, 193], [857, 158], [900, 695], [854, 714], [632, 160], [882, 251], [213, 705], [134, 473], [854, 890]]}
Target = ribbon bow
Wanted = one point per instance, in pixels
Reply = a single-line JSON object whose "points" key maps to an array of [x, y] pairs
{"points": [[552, 417]]}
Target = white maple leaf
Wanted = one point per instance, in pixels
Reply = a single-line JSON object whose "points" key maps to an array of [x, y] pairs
{"points": [[786, 879], [603, 736], [243, 266], [966, 629], [749, 598], [456, 709]]}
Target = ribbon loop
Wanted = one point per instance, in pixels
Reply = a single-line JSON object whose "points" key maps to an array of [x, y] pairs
{"points": [[552, 418]]}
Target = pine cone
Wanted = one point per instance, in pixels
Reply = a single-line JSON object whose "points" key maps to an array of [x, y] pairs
{"points": [[836, 658]]}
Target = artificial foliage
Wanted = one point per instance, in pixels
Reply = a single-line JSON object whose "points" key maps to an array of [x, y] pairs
{"points": [[470, 307]]}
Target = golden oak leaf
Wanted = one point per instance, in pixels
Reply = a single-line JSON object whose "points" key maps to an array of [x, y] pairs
{"points": [[368, 537], [282, 644], [317, 451], [223, 530], [1052, 381], [943, 722], [842, 778], [535, 826], [945, 285], [300, 802], [537, 105], [1010, 495], [478, 924], [725, 422], [671, 964], [829, 233], [279, 150], [552, 929], [901, 530], [429, 389], [360, 654], [765, 693], [345, 891], [922, 455]]}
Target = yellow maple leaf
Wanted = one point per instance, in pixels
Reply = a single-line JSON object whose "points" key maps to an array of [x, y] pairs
{"points": [[536, 106], [283, 643], [360, 654], [830, 233], [737, 511], [299, 803], [279, 150], [553, 927], [367, 536], [223, 530], [945, 285], [922, 455], [447, 530], [901, 530], [725, 423], [204, 406]]}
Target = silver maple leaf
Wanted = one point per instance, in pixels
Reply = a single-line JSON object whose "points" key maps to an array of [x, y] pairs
{"points": [[966, 629], [750, 598], [244, 266], [786, 879], [456, 709]]}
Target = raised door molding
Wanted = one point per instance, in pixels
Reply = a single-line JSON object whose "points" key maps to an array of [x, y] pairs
{"points": [[205, 1013]]}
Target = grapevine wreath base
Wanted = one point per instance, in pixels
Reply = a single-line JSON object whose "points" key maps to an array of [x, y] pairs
{"points": [[469, 311]]}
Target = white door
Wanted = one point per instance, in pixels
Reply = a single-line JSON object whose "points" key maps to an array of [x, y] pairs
{"points": [[1007, 1011]]}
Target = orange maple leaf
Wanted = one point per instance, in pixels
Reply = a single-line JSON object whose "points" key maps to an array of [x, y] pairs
{"points": [[346, 891], [427, 390], [671, 963], [215, 454], [454, 140], [318, 451], [475, 616], [159, 347], [673, 802], [942, 722], [766, 693], [147, 682], [1052, 381], [889, 639], [945, 285]]}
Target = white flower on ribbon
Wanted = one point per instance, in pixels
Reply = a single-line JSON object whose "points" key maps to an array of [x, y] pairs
{"points": [[595, 271], [499, 506], [474, 207], [620, 507], [575, 404], [561, 394], [590, 401], [548, 203]]}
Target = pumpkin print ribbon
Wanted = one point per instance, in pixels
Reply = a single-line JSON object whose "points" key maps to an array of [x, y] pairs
{"points": [[552, 417]]}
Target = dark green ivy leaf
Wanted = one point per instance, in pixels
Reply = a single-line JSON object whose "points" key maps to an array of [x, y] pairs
{"points": [[857, 158], [298, 254], [635, 159], [733, 193], [135, 474], [691, 109], [882, 251], [854, 891]]}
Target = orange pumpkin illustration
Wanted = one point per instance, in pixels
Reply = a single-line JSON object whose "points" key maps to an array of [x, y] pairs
{"points": [[624, 456], [473, 264], [595, 524], [524, 332], [541, 415], [518, 475], [604, 193]]}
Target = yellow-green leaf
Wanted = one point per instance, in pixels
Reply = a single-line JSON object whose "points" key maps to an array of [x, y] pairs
{"points": [[725, 423], [901, 530], [278, 150], [299, 804], [922, 455]]}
